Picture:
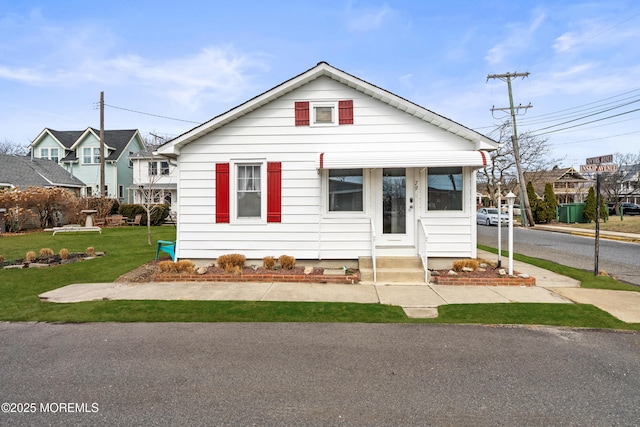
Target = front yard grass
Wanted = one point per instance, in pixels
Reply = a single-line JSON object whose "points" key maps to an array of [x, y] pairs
{"points": [[126, 249], [586, 278]]}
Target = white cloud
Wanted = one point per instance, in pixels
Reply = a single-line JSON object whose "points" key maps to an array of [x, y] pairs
{"points": [[369, 20], [519, 36], [213, 72]]}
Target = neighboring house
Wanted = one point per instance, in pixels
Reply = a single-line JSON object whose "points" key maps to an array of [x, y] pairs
{"points": [[327, 166], [79, 153], [24, 172], [154, 178], [629, 190], [569, 185]]}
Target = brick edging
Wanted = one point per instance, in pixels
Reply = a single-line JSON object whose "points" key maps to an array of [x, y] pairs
{"points": [[289, 278], [483, 281]]}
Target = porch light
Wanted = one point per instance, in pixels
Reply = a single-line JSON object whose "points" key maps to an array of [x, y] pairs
{"points": [[511, 198]]}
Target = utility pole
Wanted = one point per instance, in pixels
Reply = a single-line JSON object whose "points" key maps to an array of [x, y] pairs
{"points": [[102, 179], [524, 198]]}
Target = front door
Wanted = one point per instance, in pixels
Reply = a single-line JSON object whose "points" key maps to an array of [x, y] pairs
{"points": [[395, 217]]}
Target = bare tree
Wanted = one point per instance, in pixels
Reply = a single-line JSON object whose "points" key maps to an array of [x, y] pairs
{"points": [[12, 149], [534, 156], [152, 172]]}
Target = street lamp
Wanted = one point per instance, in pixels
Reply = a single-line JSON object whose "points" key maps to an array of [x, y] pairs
{"points": [[499, 226], [511, 198]]}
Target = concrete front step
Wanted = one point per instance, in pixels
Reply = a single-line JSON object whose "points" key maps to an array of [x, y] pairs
{"points": [[392, 270], [391, 262]]}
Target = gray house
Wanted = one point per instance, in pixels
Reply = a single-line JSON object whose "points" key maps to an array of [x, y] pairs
{"points": [[24, 172]]}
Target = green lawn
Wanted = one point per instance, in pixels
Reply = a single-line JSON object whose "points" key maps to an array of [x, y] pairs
{"points": [[126, 248]]}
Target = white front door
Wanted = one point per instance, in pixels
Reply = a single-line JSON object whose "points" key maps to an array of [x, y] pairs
{"points": [[395, 207]]}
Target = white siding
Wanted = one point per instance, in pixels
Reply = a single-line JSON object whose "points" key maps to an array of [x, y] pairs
{"points": [[269, 134]]}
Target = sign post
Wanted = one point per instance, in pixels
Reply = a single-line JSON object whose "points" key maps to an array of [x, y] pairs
{"points": [[597, 165]]}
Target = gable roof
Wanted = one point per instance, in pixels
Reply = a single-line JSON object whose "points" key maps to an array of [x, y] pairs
{"points": [[24, 172], [541, 178], [115, 140], [172, 147]]}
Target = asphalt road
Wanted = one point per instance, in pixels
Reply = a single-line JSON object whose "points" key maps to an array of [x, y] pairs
{"points": [[316, 375], [620, 259]]}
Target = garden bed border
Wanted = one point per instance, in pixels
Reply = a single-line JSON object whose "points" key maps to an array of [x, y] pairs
{"points": [[262, 277]]}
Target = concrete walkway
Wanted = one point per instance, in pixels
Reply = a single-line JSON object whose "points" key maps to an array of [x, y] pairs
{"points": [[419, 300]]}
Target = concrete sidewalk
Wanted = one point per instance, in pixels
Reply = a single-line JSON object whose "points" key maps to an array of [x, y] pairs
{"points": [[419, 300]]}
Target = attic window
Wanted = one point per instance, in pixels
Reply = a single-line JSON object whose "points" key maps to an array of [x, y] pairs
{"points": [[324, 113]]}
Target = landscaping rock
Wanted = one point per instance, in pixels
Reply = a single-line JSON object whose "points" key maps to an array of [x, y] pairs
{"points": [[38, 265], [523, 275], [201, 270], [308, 270], [502, 272], [467, 269], [452, 273]]}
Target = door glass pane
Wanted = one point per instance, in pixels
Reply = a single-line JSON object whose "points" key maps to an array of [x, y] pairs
{"points": [[394, 190]]}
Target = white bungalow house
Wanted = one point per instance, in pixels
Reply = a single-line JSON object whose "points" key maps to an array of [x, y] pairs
{"points": [[327, 166]]}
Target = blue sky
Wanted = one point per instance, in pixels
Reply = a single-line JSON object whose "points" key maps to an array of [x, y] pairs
{"points": [[192, 60]]}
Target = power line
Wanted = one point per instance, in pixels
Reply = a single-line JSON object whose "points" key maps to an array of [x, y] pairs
{"points": [[150, 114], [597, 139], [532, 120], [582, 124], [540, 120], [588, 115]]}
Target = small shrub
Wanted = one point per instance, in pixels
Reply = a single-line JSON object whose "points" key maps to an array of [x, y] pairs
{"points": [[90, 251], [471, 263], [227, 262], [44, 252], [236, 269], [64, 253], [185, 266], [268, 262], [287, 262], [167, 266], [30, 256]]}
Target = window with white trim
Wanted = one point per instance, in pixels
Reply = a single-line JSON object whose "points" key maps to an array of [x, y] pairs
{"points": [[345, 190], [50, 153], [153, 168], [248, 191], [91, 155], [164, 168], [324, 113]]}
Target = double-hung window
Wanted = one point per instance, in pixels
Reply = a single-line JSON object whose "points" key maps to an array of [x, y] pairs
{"points": [[153, 168], [49, 153], [248, 191], [164, 168], [91, 155]]}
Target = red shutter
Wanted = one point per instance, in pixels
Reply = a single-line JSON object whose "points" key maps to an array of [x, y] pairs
{"points": [[222, 192], [302, 113], [345, 112], [274, 192]]}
